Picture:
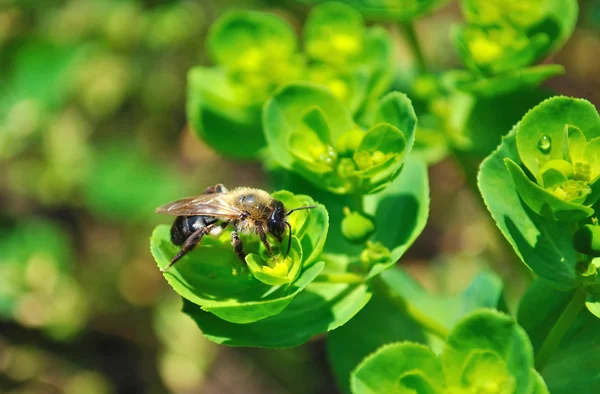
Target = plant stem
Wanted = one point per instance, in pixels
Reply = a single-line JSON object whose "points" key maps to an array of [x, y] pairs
{"points": [[383, 289], [559, 329], [356, 202], [411, 36], [340, 278]]}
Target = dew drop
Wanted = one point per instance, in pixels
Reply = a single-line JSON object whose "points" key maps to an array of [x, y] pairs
{"points": [[544, 144]]}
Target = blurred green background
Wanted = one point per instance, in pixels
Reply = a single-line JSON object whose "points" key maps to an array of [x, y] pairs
{"points": [[93, 137]]}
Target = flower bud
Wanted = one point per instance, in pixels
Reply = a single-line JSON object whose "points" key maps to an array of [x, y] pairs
{"points": [[357, 227], [374, 253], [587, 240], [573, 191], [363, 160], [350, 141], [583, 171], [346, 168]]}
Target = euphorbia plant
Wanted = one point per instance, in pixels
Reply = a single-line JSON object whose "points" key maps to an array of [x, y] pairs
{"points": [[334, 132], [257, 52]]}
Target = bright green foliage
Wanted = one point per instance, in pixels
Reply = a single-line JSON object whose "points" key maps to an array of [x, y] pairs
{"points": [[552, 19], [488, 350], [498, 85], [213, 277], [396, 10], [257, 52], [485, 291], [407, 197], [317, 309], [485, 352], [311, 132], [543, 245], [559, 143], [323, 118], [382, 322], [399, 368], [556, 143], [502, 38]]}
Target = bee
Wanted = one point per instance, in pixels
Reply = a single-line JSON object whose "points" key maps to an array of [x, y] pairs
{"points": [[248, 210]]}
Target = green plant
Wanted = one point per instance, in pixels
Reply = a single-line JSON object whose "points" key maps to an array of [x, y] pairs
{"points": [[329, 128]]}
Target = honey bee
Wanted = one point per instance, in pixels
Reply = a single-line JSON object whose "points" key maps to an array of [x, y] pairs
{"points": [[248, 210]]}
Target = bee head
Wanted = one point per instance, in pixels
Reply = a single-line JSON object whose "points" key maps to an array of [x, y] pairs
{"points": [[278, 221]]}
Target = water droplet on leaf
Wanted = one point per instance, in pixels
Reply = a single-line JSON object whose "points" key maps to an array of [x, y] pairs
{"points": [[544, 144]]}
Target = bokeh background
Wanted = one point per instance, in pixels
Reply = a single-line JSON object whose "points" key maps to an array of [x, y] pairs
{"points": [[93, 137]]}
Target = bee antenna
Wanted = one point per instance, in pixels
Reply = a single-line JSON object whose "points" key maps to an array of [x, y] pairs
{"points": [[297, 209], [289, 239]]}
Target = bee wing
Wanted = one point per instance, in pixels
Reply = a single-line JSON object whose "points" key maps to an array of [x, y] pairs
{"points": [[205, 204]]}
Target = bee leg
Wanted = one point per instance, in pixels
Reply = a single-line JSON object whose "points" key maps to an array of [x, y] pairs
{"points": [[263, 239], [236, 242], [188, 245]]}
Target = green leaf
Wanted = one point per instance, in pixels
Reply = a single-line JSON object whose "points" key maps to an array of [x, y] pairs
{"points": [[543, 245], [318, 309], [407, 197], [541, 201], [284, 115], [242, 39], [593, 304], [553, 19], [493, 50], [396, 109], [213, 277], [539, 308], [392, 10], [485, 291], [502, 84], [488, 349], [380, 153], [378, 57], [377, 324], [381, 322], [539, 385], [302, 119], [334, 33], [214, 105], [400, 368], [547, 122], [573, 367]]}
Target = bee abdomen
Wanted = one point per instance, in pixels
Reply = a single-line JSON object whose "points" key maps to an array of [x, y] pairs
{"points": [[184, 226]]}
